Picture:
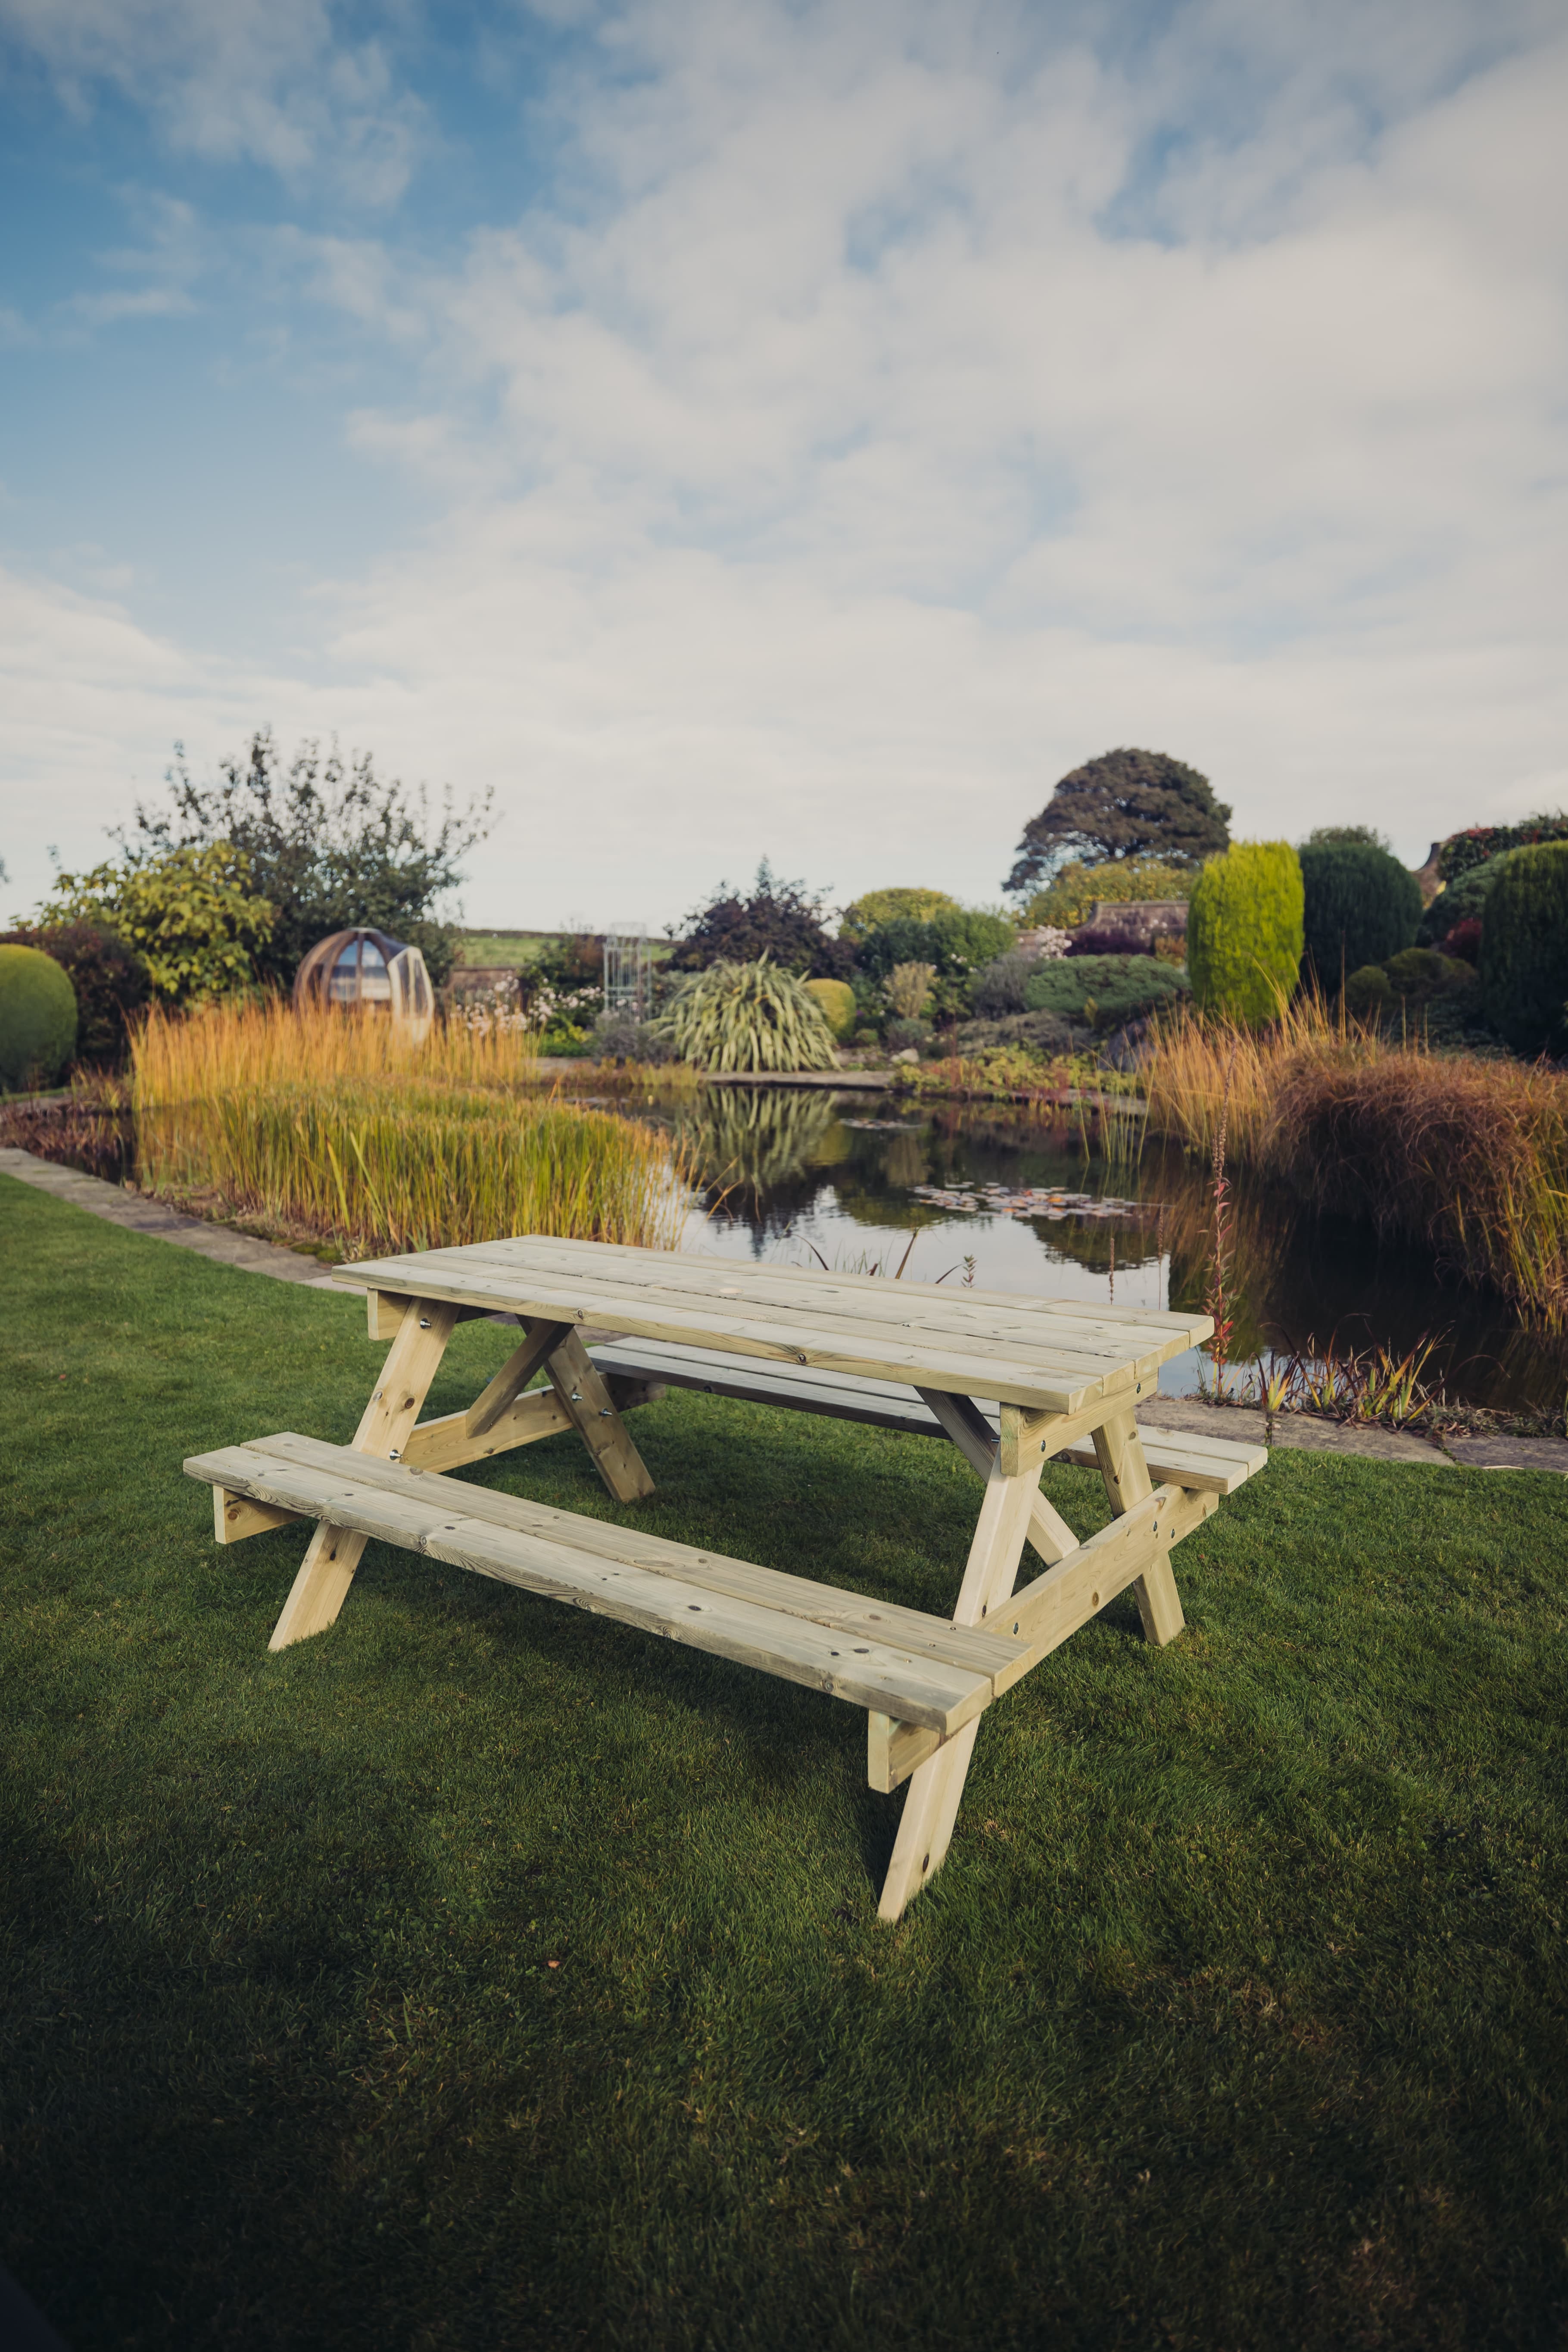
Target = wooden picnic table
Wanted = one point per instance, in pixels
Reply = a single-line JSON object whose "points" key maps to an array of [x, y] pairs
{"points": [[1012, 1381]]}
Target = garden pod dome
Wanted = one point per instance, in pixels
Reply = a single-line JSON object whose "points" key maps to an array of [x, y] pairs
{"points": [[363, 970]]}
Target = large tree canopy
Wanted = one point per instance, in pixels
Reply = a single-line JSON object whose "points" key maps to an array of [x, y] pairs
{"points": [[328, 846], [1123, 804]]}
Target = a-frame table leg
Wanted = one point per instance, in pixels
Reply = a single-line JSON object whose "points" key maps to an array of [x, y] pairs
{"points": [[333, 1553], [930, 1806], [1119, 1450]]}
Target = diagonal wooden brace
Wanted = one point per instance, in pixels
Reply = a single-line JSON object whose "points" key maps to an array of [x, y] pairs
{"points": [[333, 1553], [540, 1338], [580, 1391]]}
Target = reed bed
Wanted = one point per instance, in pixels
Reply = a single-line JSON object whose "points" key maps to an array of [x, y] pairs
{"points": [[221, 1050], [323, 1126], [1469, 1158]]}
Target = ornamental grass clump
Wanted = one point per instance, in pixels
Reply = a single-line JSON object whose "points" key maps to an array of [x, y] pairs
{"points": [[327, 1123], [1464, 1157], [749, 1017]]}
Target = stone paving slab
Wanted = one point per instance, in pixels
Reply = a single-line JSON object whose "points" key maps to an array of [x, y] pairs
{"points": [[1302, 1431], [1511, 1453]]}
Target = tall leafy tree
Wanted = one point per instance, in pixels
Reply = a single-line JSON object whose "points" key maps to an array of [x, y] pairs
{"points": [[326, 843], [1124, 804]]}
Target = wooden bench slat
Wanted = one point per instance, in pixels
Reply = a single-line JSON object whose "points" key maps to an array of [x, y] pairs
{"points": [[608, 1539], [1216, 1465], [545, 1551]]}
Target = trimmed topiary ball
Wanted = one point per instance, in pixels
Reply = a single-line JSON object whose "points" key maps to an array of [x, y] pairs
{"points": [[837, 998], [1524, 950], [1361, 906], [1243, 931], [109, 979], [37, 1019]]}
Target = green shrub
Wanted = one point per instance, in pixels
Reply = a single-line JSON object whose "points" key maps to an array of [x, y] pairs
{"points": [[109, 980], [863, 914], [749, 1017], [958, 943], [37, 1019], [1419, 975], [191, 915], [837, 998], [1367, 992], [1102, 989], [1360, 908], [1244, 931], [1463, 901], [1524, 950]]}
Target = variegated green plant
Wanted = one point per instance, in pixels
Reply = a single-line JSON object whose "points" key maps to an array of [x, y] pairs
{"points": [[749, 1017]]}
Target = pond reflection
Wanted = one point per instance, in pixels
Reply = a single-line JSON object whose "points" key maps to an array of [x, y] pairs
{"points": [[809, 1178]]}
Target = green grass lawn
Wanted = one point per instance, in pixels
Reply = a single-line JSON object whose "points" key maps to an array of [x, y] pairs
{"points": [[483, 1974]]}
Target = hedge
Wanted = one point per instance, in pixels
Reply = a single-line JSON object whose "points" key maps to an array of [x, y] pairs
{"points": [[1361, 906], [1244, 931], [1524, 950]]}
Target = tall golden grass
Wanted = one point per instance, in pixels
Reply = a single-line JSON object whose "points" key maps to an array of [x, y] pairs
{"points": [[1465, 1156], [219, 1050], [324, 1125]]}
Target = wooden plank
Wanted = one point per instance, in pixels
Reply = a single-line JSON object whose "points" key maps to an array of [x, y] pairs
{"points": [[333, 1552], [1118, 1447], [894, 1749], [890, 1309], [629, 1263], [882, 1357], [936, 1785], [966, 1425], [445, 1444], [539, 1340], [580, 1393], [384, 1310], [235, 1517], [1047, 1612], [848, 1612], [1170, 1460], [1222, 1464], [867, 1673]]}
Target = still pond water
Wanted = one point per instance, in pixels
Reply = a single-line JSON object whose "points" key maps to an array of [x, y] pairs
{"points": [[853, 1180]]}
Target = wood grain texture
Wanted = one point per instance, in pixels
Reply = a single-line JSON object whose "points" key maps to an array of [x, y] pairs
{"points": [[499, 1394], [1023, 1351], [258, 1466], [427, 1514], [333, 1552]]}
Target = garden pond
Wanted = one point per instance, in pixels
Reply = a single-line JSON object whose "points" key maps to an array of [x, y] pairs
{"points": [[950, 1192], [1010, 1200]]}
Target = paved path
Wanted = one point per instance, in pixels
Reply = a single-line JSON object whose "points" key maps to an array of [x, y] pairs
{"points": [[118, 1207], [1301, 1430]]}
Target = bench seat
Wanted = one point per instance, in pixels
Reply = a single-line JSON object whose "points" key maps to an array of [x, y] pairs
{"points": [[895, 1661], [1201, 1464]]}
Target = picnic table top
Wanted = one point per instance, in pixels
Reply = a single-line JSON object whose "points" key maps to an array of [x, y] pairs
{"points": [[1048, 1355]]}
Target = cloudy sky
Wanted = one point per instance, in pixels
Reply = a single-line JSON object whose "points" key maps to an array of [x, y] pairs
{"points": [[731, 428]]}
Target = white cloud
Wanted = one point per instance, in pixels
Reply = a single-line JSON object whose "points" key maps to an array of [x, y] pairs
{"points": [[892, 407], [265, 81]]}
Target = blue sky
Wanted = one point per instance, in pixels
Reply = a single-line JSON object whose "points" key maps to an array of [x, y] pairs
{"points": [[740, 429]]}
